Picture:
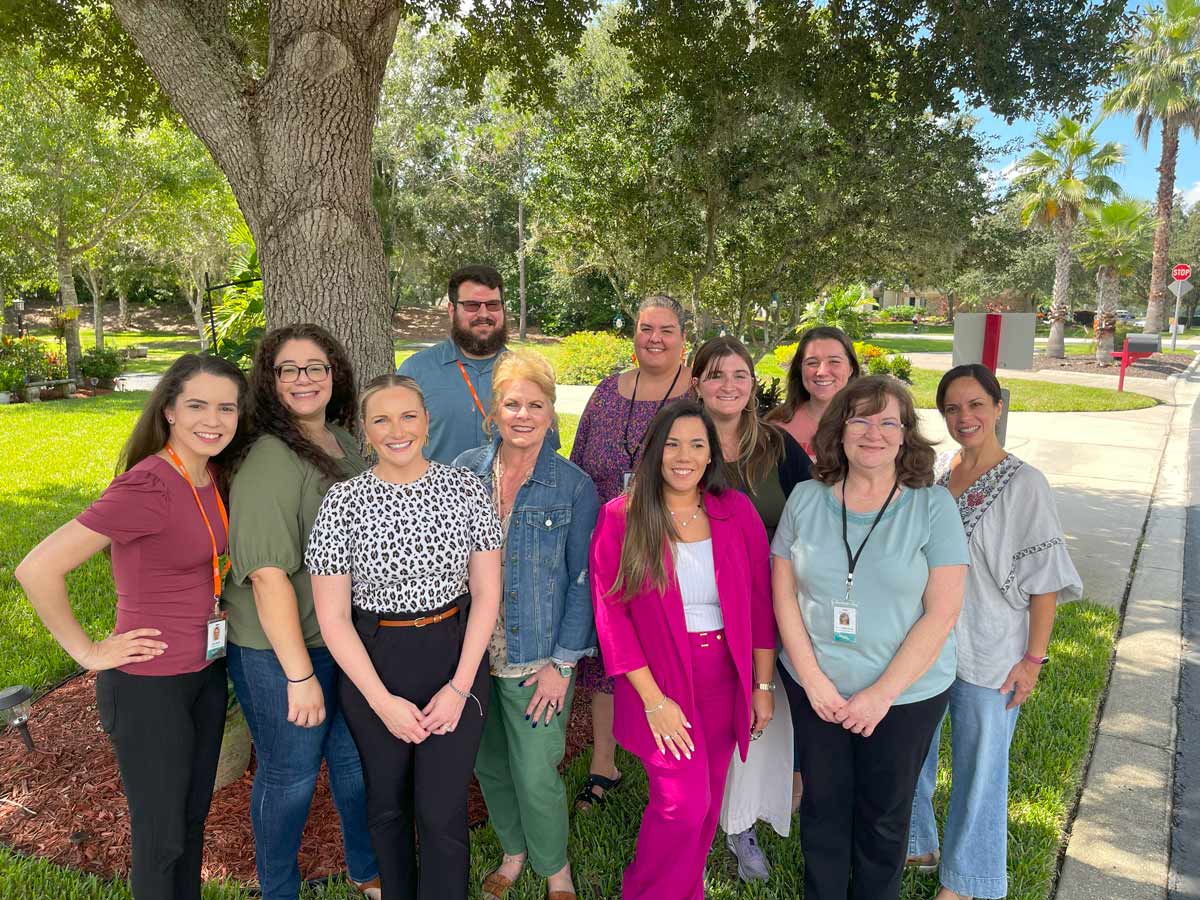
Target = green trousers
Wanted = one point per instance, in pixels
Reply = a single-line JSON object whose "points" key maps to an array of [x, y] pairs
{"points": [[517, 768]]}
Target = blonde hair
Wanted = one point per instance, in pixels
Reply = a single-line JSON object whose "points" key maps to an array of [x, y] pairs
{"points": [[520, 365], [383, 383]]}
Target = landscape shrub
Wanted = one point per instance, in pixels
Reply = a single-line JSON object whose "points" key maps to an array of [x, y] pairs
{"points": [[105, 364], [587, 357], [28, 359]]}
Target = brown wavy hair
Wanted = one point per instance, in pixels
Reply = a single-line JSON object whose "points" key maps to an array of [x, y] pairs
{"points": [[797, 394], [271, 416], [866, 397], [648, 526], [760, 445], [151, 431]]}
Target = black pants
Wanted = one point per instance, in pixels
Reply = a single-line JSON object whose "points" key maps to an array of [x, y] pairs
{"points": [[858, 795], [417, 790], [166, 731]]}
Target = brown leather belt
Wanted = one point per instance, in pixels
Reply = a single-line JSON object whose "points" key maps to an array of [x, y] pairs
{"points": [[421, 622]]}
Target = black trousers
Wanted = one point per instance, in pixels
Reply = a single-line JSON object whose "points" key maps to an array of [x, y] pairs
{"points": [[417, 790], [166, 731], [858, 795]]}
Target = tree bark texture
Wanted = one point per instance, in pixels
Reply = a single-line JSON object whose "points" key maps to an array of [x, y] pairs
{"points": [[122, 307], [69, 301], [1106, 313], [96, 285], [196, 302], [1162, 233], [1064, 227], [295, 146]]}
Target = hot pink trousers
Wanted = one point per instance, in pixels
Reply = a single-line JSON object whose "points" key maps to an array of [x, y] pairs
{"points": [[685, 795]]}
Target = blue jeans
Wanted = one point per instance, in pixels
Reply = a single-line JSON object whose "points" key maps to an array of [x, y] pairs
{"points": [[289, 758], [975, 856]]}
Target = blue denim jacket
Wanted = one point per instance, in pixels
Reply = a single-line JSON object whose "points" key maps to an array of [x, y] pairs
{"points": [[547, 599]]}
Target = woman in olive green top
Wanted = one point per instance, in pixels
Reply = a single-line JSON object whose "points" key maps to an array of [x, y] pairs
{"points": [[302, 394]]}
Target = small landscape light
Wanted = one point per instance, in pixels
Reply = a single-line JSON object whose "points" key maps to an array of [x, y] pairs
{"points": [[18, 306], [14, 706]]}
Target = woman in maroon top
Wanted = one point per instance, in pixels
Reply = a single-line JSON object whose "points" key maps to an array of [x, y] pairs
{"points": [[160, 693]]}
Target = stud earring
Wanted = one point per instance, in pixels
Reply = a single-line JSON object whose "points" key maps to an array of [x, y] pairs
{"points": [[170, 421]]}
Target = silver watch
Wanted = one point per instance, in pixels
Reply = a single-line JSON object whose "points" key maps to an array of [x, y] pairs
{"points": [[565, 670], [768, 686]]}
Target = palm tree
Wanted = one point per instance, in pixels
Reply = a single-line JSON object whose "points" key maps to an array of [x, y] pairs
{"points": [[1159, 80], [1065, 173], [1115, 240]]}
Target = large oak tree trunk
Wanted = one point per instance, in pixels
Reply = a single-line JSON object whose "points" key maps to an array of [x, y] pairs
{"points": [[1059, 306], [1162, 234], [295, 147]]}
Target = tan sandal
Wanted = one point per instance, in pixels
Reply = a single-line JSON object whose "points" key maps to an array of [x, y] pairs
{"points": [[925, 864], [495, 885]]}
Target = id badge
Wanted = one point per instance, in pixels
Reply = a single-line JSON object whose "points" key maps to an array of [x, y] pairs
{"points": [[626, 477], [845, 624], [216, 631]]}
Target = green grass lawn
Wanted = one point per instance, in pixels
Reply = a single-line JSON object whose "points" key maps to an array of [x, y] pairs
{"points": [[163, 348], [64, 453]]}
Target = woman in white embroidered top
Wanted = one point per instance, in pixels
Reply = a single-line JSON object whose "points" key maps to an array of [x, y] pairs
{"points": [[1020, 571]]}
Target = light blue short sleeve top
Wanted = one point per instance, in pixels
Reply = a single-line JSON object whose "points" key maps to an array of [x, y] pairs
{"points": [[920, 531]]}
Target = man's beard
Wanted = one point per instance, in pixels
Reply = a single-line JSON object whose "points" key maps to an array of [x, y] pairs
{"points": [[489, 346]]}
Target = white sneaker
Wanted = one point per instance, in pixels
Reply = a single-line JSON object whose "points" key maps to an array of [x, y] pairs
{"points": [[752, 862]]}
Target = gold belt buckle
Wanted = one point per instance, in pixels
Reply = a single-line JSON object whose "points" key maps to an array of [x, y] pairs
{"points": [[421, 622]]}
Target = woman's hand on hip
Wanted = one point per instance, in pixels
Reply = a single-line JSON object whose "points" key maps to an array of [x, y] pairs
{"points": [[402, 718], [124, 649], [441, 714], [306, 702], [825, 699], [670, 727], [763, 703], [863, 711], [1022, 679], [549, 695]]}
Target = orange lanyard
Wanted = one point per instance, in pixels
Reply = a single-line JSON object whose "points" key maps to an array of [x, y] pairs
{"points": [[470, 387], [216, 559]]}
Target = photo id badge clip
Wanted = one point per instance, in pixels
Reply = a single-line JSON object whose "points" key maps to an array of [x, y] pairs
{"points": [[216, 631], [845, 624], [626, 477]]}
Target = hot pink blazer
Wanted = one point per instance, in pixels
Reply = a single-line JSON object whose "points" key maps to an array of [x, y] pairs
{"points": [[649, 629]]}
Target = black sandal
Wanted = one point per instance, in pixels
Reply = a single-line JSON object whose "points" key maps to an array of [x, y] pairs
{"points": [[587, 796]]}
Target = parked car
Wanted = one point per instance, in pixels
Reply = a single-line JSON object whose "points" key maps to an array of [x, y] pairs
{"points": [[1124, 315]]}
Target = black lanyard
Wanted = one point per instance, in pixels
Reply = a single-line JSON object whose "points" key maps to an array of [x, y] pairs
{"points": [[852, 558], [629, 413]]}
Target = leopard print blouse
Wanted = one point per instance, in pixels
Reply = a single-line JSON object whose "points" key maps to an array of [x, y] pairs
{"points": [[405, 546]]}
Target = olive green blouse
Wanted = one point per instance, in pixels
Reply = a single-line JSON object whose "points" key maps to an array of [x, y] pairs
{"points": [[273, 501]]}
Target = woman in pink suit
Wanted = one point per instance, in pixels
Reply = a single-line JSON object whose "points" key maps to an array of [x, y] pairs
{"points": [[681, 589]]}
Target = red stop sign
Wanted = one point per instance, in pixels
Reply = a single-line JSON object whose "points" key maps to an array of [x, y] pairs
{"points": [[1182, 272]]}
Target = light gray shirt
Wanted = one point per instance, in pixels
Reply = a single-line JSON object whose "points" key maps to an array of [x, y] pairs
{"points": [[1017, 550], [698, 585]]}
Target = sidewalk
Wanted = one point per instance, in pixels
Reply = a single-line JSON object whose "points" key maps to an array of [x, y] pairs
{"points": [[1119, 843]]}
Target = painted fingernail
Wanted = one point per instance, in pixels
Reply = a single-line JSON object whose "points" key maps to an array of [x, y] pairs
{"points": [[526, 717], [535, 724]]}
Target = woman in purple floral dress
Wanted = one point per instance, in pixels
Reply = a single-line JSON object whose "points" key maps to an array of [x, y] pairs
{"points": [[608, 444]]}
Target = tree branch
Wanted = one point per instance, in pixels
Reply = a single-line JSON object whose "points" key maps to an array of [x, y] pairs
{"points": [[187, 47]]}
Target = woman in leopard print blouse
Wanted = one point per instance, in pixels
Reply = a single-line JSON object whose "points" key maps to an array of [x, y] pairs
{"points": [[405, 564]]}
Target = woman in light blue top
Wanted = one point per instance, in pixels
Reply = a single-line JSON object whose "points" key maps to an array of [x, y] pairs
{"points": [[868, 572], [1020, 572]]}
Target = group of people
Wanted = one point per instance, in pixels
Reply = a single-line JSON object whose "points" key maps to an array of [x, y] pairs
{"points": [[426, 612]]}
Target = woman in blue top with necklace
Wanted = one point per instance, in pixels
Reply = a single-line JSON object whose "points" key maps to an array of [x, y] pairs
{"points": [[868, 572]]}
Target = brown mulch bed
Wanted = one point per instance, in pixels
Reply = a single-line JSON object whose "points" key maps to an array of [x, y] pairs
{"points": [[64, 801], [1160, 365]]}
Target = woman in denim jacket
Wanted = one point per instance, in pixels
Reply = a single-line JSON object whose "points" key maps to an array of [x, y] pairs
{"points": [[548, 507]]}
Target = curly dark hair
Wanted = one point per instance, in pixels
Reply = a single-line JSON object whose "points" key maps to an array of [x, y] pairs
{"points": [[865, 397], [270, 416]]}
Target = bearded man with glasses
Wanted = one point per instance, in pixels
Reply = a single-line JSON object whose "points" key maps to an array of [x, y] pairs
{"points": [[456, 375]]}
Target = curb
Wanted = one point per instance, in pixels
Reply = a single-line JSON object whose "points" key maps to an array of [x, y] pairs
{"points": [[1119, 842]]}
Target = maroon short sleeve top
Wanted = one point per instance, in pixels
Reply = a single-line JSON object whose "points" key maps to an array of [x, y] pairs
{"points": [[161, 559]]}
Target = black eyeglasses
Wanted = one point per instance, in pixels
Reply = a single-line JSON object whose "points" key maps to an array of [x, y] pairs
{"points": [[472, 306], [287, 373]]}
